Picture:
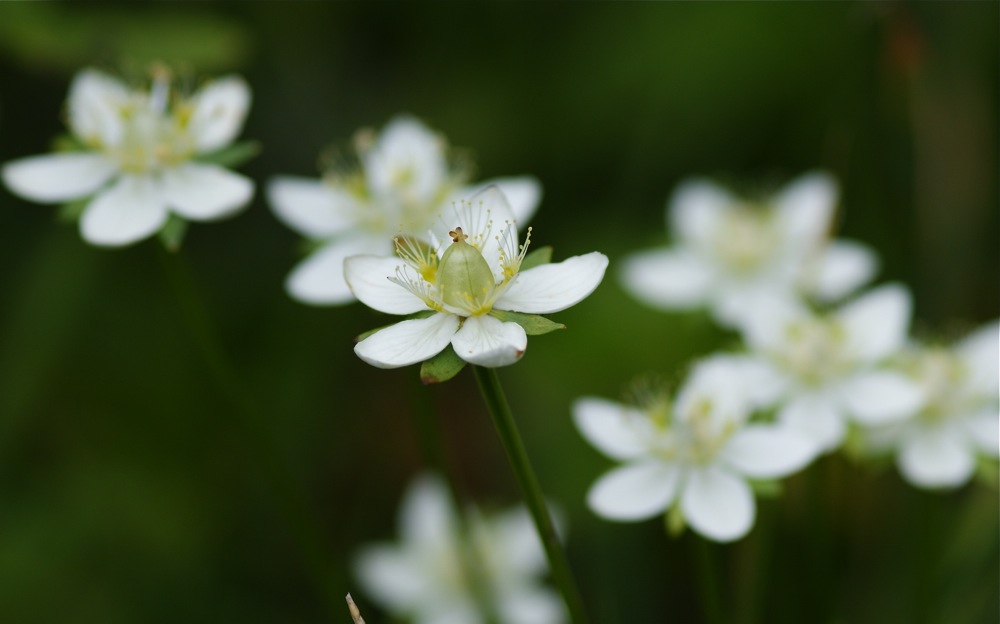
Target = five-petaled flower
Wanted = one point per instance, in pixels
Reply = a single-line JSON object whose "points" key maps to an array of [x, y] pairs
{"points": [[692, 455], [403, 178], [138, 156], [467, 278]]}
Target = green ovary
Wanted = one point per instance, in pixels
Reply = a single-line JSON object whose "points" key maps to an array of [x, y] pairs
{"points": [[464, 279]]}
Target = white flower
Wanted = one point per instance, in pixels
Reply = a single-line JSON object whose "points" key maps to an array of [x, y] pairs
{"points": [[467, 282], [730, 254], [140, 161], [695, 454], [960, 421], [825, 368], [440, 575], [403, 183]]}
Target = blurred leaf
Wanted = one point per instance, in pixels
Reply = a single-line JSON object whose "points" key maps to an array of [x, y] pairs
{"points": [[766, 488], [538, 257], [70, 211], [441, 367], [172, 233], [533, 324], [231, 156]]}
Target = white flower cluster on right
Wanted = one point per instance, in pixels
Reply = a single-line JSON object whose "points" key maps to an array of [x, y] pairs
{"points": [[815, 372]]}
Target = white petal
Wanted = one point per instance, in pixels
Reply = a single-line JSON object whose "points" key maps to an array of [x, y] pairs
{"points": [[618, 431], [406, 150], [391, 576], [487, 341], [717, 504], [805, 207], [531, 605], [483, 217], [319, 278], [936, 457], [219, 110], [768, 451], [312, 207], [554, 287], [767, 323], [815, 417], [516, 537], [877, 322], [95, 104], [842, 267], [427, 514], [694, 210], [980, 351], [58, 177], [881, 397], [129, 211], [408, 342], [984, 430], [523, 193], [635, 491], [203, 192], [368, 278], [668, 278]]}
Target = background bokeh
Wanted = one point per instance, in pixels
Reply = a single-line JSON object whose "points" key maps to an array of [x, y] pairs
{"points": [[139, 482]]}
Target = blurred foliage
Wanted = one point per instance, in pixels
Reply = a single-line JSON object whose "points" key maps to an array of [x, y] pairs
{"points": [[139, 483]]}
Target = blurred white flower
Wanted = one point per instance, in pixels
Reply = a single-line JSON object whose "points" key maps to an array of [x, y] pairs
{"points": [[826, 369], [400, 185], [731, 254], [694, 454], [439, 574], [960, 420], [139, 156], [469, 278]]}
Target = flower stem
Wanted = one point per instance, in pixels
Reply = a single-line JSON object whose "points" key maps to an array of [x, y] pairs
{"points": [[496, 402]]}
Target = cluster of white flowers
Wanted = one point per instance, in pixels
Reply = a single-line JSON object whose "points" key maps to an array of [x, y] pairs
{"points": [[811, 370], [451, 569]]}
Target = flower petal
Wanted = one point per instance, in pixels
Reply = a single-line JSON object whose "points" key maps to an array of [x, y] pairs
{"points": [[634, 491], [817, 418], [694, 210], [717, 504], [616, 430], [805, 208], [95, 103], [515, 535], [768, 451], [935, 457], [767, 323], [530, 605], [984, 430], [58, 177], [881, 397], [667, 278], [129, 211], [203, 192], [554, 287], [841, 268], [368, 278], [487, 341], [319, 278], [427, 514], [312, 207], [392, 576], [980, 351], [219, 110], [407, 161], [877, 322], [408, 342], [523, 193]]}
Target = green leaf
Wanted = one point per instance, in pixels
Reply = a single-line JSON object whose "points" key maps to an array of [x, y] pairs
{"points": [[766, 488], [70, 211], [172, 233], [232, 155], [441, 367], [533, 324], [418, 315], [538, 257]]}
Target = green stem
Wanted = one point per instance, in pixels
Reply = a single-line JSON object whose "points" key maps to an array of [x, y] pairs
{"points": [[711, 592], [496, 402]]}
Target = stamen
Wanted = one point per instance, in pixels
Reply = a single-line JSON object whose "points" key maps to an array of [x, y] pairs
{"points": [[419, 255]]}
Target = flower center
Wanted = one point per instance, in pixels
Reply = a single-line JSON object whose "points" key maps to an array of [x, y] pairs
{"points": [[464, 279], [813, 350], [745, 239], [941, 375]]}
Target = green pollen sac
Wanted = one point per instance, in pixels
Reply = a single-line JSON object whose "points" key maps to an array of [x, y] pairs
{"points": [[464, 279]]}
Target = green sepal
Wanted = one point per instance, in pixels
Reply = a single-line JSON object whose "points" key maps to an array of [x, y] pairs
{"points": [[418, 315], [538, 257], [68, 143], [533, 324], [673, 521], [441, 367], [986, 471], [766, 488], [232, 155], [70, 212], [172, 233]]}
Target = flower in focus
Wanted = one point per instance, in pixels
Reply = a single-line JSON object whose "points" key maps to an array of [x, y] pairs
{"points": [[402, 181], [472, 286], [442, 574], [960, 421], [731, 254], [693, 455], [141, 156], [826, 369]]}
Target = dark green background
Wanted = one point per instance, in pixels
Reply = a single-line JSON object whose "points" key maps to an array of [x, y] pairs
{"points": [[138, 483]]}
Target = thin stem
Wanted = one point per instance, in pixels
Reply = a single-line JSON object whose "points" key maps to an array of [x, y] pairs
{"points": [[496, 402], [711, 592]]}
